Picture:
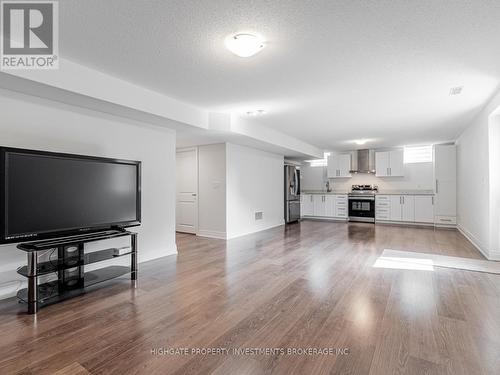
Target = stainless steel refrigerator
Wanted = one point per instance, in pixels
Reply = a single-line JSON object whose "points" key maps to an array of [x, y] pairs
{"points": [[292, 193]]}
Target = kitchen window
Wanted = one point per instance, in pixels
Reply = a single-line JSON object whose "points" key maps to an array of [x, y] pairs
{"points": [[418, 154]]}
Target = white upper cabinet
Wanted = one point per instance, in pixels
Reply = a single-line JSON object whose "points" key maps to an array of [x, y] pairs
{"points": [[389, 163], [381, 164], [339, 166], [445, 162], [445, 184], [397, 167]]}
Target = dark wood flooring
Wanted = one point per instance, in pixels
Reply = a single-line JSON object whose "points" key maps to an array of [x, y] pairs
{"points": [[311, 285]]}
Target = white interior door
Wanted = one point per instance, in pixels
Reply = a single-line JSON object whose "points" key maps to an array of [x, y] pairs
{"points": [[187, 190]]}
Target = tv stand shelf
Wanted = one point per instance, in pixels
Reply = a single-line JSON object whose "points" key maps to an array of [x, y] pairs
{"points": [[56, 265], [69, 266]]}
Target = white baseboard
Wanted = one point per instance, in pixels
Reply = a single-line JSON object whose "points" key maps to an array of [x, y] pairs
{"points": [[405, 223], [322, 218], [211, 234], [156, 255], [474, 241], [256, 231]]}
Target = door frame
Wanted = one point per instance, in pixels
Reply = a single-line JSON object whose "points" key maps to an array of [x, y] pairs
{"points": [[196, 152]]}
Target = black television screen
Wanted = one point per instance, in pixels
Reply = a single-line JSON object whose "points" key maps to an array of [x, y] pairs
{"points": [[45, 195]]}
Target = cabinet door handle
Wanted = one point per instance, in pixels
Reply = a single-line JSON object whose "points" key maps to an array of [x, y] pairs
{"points": [[311, 198], [387, 171], [390, 171], [433, 201]]}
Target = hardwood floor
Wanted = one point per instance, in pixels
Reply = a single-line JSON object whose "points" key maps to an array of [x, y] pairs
{"points": [[311, 285]]}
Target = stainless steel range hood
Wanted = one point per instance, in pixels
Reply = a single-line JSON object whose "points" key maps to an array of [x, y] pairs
{"points": [[364, 162]]}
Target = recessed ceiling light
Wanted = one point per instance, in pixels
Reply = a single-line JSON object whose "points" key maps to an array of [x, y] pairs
{"points": [[456, 90], [361, 141], [258, 112], [244, 45]]}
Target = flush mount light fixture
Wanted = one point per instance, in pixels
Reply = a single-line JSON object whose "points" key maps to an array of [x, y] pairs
{"points": [[456, 90], [361, 141], [244, 45], [258, 112]]}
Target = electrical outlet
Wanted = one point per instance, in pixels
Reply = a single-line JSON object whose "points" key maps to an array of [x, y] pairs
{"points": [[258, 215]]}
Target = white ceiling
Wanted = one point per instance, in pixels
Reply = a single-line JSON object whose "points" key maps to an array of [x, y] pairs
{"points": [[332, 71]]}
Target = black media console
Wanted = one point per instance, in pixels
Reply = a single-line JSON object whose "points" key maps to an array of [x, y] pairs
{"points": [[69, 265]]}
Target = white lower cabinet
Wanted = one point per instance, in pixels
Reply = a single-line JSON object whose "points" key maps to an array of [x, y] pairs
{"points": [[341, 206], [396, 212], [306, 205], [408, 208], [324, 205], [404, 208], [330, 205], [319, 205], [424, 209]]}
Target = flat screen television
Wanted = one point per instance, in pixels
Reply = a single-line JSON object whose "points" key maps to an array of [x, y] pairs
{"points": [[46, 194]]}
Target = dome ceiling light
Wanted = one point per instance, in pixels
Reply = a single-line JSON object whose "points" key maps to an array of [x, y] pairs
{"points": [[244, 45]]}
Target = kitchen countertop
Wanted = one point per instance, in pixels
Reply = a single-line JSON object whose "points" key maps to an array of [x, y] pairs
{"points": [[324, 192], [406, 192], [381, 192]]}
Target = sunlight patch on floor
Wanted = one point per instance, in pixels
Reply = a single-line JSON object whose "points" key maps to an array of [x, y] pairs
{"points": [[404, 263]]}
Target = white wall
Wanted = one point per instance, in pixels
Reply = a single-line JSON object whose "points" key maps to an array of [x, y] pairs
{"points": [[29, 122], [254, 183], [212, 190], [475, 194], [417, 176], [494, 190]]}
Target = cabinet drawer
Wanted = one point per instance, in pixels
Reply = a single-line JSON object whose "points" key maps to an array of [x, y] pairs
{"points": [[383, 197], [382, 217], [382, 204], [341, 203], [445, 220], [342, 198], [382, 210]]}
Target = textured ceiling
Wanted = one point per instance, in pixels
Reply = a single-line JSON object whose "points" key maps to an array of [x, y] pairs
{"points": [[332, 71]]}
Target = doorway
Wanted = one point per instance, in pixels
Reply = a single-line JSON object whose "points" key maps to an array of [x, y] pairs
{"points": [[187, 190]]}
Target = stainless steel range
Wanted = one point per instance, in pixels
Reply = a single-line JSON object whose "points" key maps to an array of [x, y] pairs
{"points": [[362, 203]]}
